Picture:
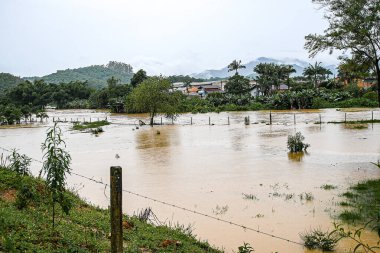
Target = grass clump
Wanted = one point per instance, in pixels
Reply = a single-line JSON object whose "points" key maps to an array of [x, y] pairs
{"points": [[88, 125], [363, 200], [328, 187], [25, 224], [307, 196], [317, 239], [296, 144], [349, 216], [249, 196]]}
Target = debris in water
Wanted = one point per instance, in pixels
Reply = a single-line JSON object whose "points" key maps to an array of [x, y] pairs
{"points": [[117, 156]]}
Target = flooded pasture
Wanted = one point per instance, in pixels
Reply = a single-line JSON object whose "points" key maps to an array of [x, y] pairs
{"points": [[235, 172]]}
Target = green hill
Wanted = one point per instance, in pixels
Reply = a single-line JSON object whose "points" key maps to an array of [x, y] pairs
{"points": [[95, 75], [8, 80]]}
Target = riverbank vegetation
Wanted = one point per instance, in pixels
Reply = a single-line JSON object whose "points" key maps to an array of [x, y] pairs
{"points": [[90, 125], [25, 224]]}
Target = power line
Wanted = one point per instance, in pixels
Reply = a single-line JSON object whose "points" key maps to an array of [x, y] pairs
{"points": [[181, 208]]}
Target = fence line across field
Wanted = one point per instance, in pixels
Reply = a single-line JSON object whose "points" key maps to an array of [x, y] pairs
{"points": [[245, 228], [255, 117]]}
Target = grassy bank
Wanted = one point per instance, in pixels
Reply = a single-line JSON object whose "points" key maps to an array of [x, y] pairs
{"points": [[25, 224], [362, 202], [89, 125]]}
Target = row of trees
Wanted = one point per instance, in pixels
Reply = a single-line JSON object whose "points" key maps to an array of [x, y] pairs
{"points": [[270, 76]]}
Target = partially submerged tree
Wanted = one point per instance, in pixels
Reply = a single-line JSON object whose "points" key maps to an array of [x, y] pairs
{"points": [[55, 166], [354, 26], [154, 97]]}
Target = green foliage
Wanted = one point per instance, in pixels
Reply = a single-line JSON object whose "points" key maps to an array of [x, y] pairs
{"points": [[84, 229], [26, 194], [235, 65], [272, 75], [355, 235], [363, 199], [8, 81], [87, 125], [153, 96], [316, 73], [138, 78], [238, 85], [56, 165], [96, 76], [371, 95], [328, 187], [245, 248], [10, 114], [352, 26], [318, 239], [295, 143], [19, 163]]}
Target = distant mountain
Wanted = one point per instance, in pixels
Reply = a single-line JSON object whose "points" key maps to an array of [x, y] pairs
{"points": [[297, 64], [95, 75], [8, 81]]}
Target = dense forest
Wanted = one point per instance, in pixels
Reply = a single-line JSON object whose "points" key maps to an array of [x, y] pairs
{"points": [[8, 81], [96, 76]]}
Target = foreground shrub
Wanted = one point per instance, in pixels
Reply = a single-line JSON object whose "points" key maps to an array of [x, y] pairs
{"points": [[295, 143], [19, 163], [317, 239]]}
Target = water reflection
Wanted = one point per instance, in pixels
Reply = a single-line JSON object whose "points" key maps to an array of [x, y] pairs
{"points": [[296, 156]]}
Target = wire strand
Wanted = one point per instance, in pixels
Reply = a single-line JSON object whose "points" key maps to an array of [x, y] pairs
{"points": [[181, 208]]}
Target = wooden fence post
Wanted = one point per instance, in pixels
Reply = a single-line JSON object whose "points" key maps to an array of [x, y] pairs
{"points": [[116, 210], [191, 120], [209, 120], [228, 120], [345, 118], [270, 117], [294, 118]]}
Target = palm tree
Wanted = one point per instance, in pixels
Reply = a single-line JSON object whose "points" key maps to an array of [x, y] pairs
{"points": [[235, 66], [316, 72]]}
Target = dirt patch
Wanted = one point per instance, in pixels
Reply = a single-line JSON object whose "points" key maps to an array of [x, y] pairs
{"points": [[9, 195]]}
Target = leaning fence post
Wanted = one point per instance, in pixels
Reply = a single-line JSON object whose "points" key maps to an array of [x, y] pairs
{"points": [[116, 210]]}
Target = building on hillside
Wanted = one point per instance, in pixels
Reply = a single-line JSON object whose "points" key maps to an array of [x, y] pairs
{"points": [[367, 83]]}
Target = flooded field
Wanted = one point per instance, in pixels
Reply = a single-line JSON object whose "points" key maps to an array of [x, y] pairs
{"points": [[236, 172]]}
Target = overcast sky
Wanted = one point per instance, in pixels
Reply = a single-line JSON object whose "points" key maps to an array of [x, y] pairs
{"points": [[162, 36]]}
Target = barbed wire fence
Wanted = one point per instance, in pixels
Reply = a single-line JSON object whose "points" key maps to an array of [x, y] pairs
{"points": [[274, 117], [232, 223]]}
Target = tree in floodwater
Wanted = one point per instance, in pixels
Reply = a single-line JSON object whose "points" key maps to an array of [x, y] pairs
{"points": [[154, 96], [354, 26], [55, 166]]}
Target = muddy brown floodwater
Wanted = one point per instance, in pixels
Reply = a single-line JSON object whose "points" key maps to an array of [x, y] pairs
{"points": [[209, 168]]}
